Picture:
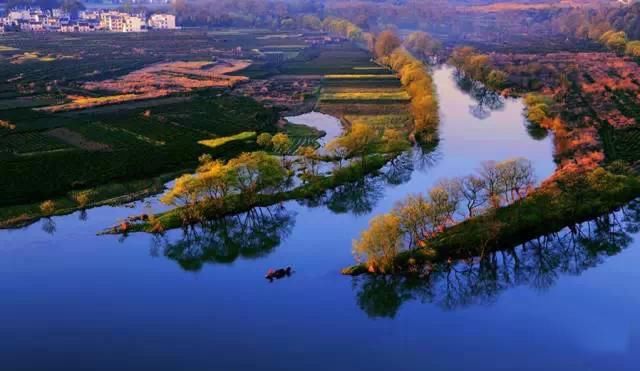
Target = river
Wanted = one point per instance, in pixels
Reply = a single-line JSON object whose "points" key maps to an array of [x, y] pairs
{"points": [[74, 300]]}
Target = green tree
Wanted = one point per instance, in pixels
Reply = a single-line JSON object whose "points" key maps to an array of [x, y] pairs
{"points": [[264, 140], [256, 172]]}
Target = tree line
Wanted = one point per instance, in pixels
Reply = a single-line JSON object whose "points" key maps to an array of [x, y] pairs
{"points": [[477, 66], [210, 188], [414, 77], [415, 220], [617, 28]]}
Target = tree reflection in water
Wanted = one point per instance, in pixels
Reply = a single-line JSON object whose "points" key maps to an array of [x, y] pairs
{"points": [[487, 99], [537, 264], [260, 231], [249, 235], [362, 196], [49, 225], [357, 198]]}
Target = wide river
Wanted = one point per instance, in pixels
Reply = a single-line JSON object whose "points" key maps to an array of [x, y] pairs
{"points": [[73, 300]]}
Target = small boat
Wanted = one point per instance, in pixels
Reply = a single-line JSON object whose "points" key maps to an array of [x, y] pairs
{"points": [[278, 273]]}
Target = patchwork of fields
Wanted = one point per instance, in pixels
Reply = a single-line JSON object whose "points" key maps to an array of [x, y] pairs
{"points": [[116, 142], [353, 87]]}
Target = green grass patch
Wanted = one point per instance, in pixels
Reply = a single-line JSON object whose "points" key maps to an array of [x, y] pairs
{"points": [[217, 142]]}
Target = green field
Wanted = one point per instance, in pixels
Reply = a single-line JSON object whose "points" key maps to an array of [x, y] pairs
{"points": [[131, 144]]}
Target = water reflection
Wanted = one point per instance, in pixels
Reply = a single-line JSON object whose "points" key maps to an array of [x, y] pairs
{"points": [[250, 235], [49, 225], [536, 131], [537, 264], [487, 99], [358, 198]]}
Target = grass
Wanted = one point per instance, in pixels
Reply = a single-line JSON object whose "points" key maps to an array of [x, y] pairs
{"points": [[217, 142]]}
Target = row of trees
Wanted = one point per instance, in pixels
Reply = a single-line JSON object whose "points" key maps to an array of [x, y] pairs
{"points": [[363, 139], [210, 188], [415, 79], [339, 26], [418, 218], [478, 67], [616, 28], [422, 44]]}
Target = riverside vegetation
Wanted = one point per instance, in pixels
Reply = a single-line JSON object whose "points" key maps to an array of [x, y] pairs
{"points": [[499, 207], [255, 179]]}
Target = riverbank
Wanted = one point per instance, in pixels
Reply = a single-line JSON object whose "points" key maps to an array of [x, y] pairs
{"points": [[562, 202], [108, 194], [239, 203]]}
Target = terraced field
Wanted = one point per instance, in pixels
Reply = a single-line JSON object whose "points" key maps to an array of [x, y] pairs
{"points": [[370, 96], [302, 135]]}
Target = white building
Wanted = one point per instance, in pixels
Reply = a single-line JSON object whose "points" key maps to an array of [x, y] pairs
{"points": [[120, 22], [132, 24], [17, 15], [162, 21]]}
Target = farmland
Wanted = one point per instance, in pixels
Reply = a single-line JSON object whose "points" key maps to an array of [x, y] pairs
{"points": [[352, 85], [96, 109], [88, 150]]}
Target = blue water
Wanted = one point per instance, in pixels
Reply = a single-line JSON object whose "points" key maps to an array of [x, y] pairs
{"points": [[73, 300]]}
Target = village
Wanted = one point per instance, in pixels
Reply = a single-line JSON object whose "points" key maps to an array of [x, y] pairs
{"points": [[58, 20]]}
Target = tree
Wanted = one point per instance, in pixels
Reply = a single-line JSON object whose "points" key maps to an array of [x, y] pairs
{"points": [[471, 189], [414, 213], [215, 181], [359, 140], [264, 140], [491, 178], [310, 157], [444, 202], [311, 22], [380, 243], [614, 40], [516, 178], [281, 144], [386, 43], [184, 194], [496, 79], [422, 44], [48, 207], [81, 198], [256, 172], [338, 150], [633, 49]]}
